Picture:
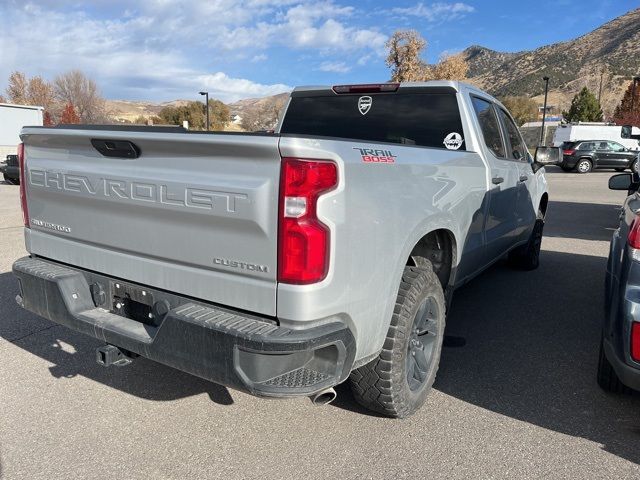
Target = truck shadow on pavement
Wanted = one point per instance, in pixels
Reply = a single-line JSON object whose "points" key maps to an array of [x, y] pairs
{"points": [[73, 354], [531, 352]]}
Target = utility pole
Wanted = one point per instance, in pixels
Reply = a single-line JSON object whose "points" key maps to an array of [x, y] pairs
{"points": [[206, 94], [544, 108]]}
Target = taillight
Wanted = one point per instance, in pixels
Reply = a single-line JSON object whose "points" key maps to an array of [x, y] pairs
{"points": [[303, 240], [635, 341], [633, 238], [23, 184], [367, 88], [568, 152]]}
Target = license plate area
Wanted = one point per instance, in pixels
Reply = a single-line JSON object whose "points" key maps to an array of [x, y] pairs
{"points": [[132, 302]]}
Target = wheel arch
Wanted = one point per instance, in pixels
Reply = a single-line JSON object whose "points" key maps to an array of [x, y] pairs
{"points": [[438, 247]]}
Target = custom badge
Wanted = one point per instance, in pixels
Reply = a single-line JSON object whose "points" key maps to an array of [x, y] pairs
{"points": [[364, 104], [453, 141]]}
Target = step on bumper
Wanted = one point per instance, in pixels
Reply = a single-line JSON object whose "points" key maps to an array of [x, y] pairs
{"points": [[228, 347]]}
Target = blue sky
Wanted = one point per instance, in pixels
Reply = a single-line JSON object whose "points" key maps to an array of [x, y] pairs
{"points": [[161, 50]]}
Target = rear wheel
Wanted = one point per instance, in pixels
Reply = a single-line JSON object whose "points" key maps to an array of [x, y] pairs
{"points": [[397, 382], [634, 166], [584, 165], [607, 378]]}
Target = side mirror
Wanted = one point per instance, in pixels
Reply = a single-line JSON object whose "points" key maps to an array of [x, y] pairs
{"points": [[548, 155], [621, 181], [629, 131]]}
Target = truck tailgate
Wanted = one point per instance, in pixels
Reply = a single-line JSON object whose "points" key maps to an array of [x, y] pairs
{"points": [[195, 213]]}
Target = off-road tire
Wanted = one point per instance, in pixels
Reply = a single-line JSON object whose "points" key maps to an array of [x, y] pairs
{"points": [[383, 385], [634, 166], [585, 169], [527, 256], [607, 378]]}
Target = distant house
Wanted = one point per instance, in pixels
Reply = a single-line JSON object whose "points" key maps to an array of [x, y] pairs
{"points": [[236, 119]]}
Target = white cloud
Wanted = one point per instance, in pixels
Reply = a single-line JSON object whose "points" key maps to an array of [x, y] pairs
{"points": [[163, 49], [436, 12], [335, 67]]}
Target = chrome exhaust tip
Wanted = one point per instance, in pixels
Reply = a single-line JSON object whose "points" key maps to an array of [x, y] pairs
{"points": [[324, 397]]}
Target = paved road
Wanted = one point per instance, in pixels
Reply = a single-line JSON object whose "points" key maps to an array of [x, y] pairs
{"points": [[518, 401]]}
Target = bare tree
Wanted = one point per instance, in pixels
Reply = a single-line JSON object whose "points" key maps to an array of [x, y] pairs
{"points": [[40, 92], [77, 89], [17, 88], [405, 48], [450, 67]]}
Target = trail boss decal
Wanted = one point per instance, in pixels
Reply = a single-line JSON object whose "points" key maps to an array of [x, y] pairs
{"points": [[364, 104], [453, 141], [369, 155]]}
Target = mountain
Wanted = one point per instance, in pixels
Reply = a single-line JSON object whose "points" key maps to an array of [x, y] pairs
{"points": [[126, 110], [613, 48]]}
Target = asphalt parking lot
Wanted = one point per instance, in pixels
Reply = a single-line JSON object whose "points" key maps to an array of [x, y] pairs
{"points": [[519, 400]]}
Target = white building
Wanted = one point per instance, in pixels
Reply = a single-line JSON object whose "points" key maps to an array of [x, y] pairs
{"points": [[12, 119]]}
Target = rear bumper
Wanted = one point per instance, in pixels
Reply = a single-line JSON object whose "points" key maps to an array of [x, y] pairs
{"points": [[569, 162], [228, 347], [628, 375]]}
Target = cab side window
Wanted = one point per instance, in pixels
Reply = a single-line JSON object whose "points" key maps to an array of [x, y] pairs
{"points": [[489, 126], [518, 150], [587, 146], [604, 146]]}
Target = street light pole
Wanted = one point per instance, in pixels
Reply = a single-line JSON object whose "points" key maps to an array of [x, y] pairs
{"points": [[206, 94], [544, 108]]}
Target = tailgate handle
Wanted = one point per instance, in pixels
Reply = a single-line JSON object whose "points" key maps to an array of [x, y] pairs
{"points": [[116, 148]]}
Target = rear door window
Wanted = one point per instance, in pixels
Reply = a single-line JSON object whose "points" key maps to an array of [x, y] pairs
{"points": [[587, 146], [518, 151], [422, 119], [489, 126]]}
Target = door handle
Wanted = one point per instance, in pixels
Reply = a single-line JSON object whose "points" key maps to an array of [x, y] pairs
{"points": [[497, 180], [524, 178]]}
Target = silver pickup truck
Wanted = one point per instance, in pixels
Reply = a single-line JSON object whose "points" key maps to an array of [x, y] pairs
{"points": [[285, 263]]}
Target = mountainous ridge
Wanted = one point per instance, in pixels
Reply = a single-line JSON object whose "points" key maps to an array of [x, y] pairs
{"points": [[611, 50], [610, 53]]}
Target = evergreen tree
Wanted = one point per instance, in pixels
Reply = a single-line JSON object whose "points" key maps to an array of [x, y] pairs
{"points": [[623, 114], [584, 108]]}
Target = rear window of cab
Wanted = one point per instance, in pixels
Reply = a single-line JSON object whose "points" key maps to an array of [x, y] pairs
{"points": [[422, 119]]}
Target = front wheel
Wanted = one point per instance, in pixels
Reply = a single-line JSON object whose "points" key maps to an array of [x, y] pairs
{"points": [[584, 165], [396, 383], [527, 256]]}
